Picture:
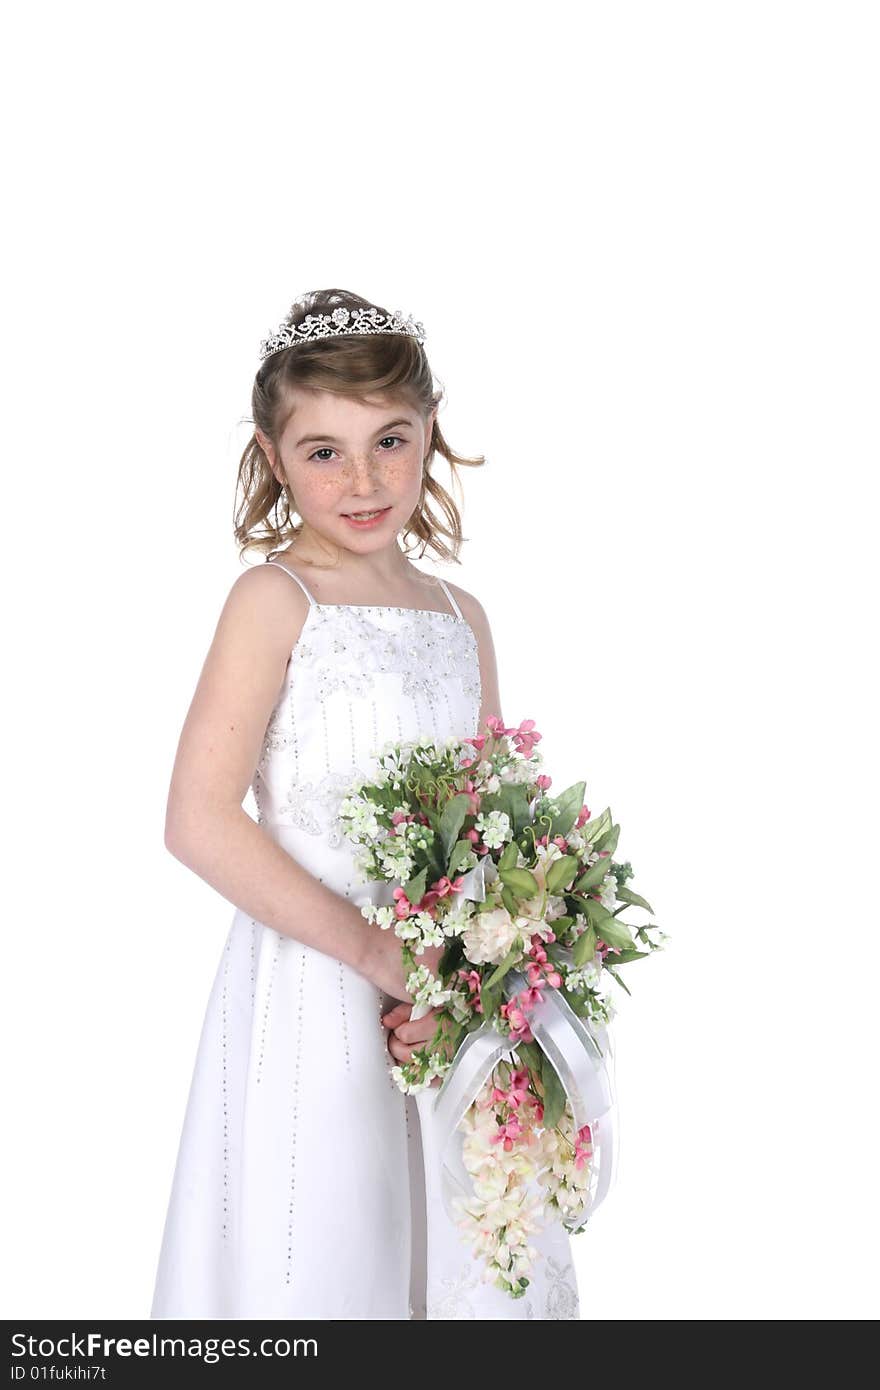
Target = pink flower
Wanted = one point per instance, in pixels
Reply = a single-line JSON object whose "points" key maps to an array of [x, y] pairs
{"points": [[471, 979], [519, 1024], [445, 885], [523, 737], [508, 1133], [544, 781], [583, 816], [583, 1147], [474, 803], [402, 905]]}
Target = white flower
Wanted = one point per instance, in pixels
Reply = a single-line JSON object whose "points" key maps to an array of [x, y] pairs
{"points": [[489, 936], [383, 915], [426, 989], [457, 918], [494, 827], [608, 896]]}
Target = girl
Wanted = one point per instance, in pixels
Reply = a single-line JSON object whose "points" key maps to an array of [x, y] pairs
{"points": [[306, 1184]]}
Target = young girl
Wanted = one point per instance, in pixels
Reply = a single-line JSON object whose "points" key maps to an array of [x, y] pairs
{"points": [[307, 1185]]}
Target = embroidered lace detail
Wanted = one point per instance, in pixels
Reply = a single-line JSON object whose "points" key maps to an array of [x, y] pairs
{"points": [[454, 1302], [314, 808], [562, 1295], [348, 654], [346, 648]]}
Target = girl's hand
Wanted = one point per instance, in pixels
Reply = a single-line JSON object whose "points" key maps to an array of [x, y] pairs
{"points": [[406, 1034]]}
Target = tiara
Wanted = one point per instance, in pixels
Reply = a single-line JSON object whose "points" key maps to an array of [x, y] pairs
{"points": [[341, 321]]}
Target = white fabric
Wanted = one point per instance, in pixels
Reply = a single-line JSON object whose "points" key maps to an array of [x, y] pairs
{"points": [[299, 1188]]}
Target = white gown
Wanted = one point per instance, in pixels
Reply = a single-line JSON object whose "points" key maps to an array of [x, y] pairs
{"points": [[299, 1189]]}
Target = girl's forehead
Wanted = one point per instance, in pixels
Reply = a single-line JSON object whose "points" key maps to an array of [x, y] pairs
{"points": [[317, 409]]}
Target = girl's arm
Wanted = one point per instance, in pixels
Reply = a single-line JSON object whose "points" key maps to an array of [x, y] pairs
{"points": [[206, 826]]}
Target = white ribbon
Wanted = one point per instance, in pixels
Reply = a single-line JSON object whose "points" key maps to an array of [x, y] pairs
{"points": [[583, 1063], [579, 1051]]}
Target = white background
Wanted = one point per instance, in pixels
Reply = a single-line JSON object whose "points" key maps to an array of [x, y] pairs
{"points": [[643, 241]]}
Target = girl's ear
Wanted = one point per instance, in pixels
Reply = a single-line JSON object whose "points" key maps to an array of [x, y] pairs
{"points": [[268, 449], [264, 444]]}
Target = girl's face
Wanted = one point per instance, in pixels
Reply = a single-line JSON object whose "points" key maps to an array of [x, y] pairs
{"points": [[339, 457]]}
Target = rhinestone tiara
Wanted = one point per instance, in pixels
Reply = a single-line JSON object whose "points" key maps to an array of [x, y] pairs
{"points": [[339, 322]]}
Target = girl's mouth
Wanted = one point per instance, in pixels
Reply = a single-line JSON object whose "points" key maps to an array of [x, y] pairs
{"points": [[364, 519]]}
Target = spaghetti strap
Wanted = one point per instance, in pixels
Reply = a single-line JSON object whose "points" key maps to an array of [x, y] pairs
{"points": [[293, 576], [458, 612]]}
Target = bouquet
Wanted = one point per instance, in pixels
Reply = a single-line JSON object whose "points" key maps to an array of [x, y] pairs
{"points": [[521, 890]]}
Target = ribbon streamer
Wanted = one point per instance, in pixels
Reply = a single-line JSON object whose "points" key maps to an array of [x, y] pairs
{"points": [[580, 1053]]}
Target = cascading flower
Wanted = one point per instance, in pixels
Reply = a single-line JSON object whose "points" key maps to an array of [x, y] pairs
{"points": [[520, 889]]}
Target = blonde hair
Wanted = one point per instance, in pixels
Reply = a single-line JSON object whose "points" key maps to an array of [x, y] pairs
{"points": [[386, 363]]}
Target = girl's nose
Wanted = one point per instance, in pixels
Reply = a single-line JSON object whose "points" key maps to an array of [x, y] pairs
{"points": [[363, 469]]}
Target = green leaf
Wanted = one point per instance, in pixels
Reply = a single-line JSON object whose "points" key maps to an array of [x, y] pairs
{"points": [[594, 910], [593, 876], [559, 925], [596, 826], [616, 933], [451, 957], [501, 970], [626, 895], [569, 803], [509, 855], [461, 849], [554, 1093], [523, 884], [628, 954], [608, 840], [575, 1001], [530, 1055], [560, 873], [490, 1000], [415, 889], [584, 948], [452, 820], [615, 976], [508, 897], [512, 799]]}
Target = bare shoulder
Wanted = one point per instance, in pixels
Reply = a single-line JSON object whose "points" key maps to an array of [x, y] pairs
{"points": [[272, 599], [475, 615], [239, 685], [471, 608]]}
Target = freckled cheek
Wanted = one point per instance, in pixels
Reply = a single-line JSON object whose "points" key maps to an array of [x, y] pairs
{"points": [[402, 477], [319, 490]]}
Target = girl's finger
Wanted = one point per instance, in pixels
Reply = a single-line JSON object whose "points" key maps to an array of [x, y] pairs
{"points": [[398, 1049], [417, 1030], [398, 1014]]}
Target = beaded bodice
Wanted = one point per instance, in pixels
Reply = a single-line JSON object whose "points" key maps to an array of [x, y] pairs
{"points": [[358, 677]]}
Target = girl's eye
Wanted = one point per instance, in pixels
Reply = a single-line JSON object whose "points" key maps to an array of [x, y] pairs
{"points": [[325, 449]]}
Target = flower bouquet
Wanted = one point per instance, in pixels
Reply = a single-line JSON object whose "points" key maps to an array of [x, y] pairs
{"points": [[521, 889]]}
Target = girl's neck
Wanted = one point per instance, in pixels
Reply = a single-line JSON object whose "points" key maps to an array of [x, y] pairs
{"points": [[385, 576]]}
